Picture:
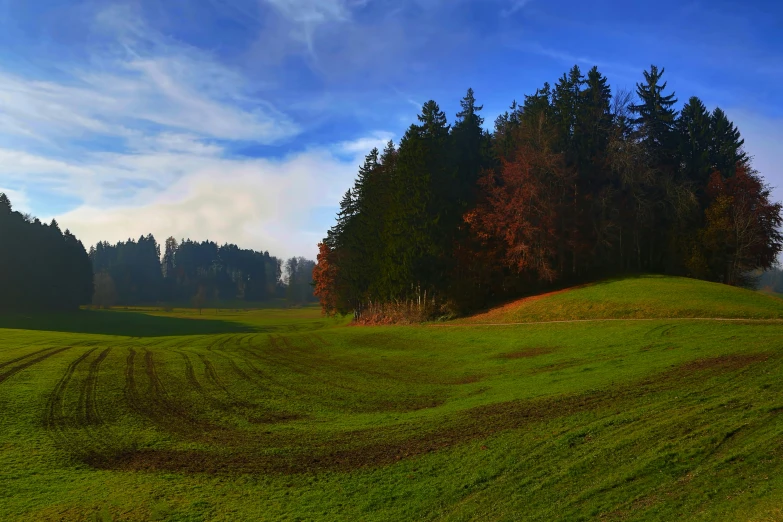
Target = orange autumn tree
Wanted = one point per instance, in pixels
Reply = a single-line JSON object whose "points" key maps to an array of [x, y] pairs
{"points": [[325, 280], [522, 208]]}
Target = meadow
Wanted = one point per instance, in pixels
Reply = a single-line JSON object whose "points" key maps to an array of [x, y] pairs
{"points": [[672, 409]]}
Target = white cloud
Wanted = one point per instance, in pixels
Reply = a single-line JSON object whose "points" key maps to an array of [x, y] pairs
{"points": [[18, 198], [363, 146], [256, 203], [307, 15]]}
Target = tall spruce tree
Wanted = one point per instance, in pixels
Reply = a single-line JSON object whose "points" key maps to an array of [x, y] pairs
{"points": [[725, 151], [695, 142], [656, 118]]}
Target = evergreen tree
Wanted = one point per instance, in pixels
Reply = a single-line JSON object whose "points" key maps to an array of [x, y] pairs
{"points": [[656, 118], [576, 183], [468, 140], [725, 150], [695, 137]]}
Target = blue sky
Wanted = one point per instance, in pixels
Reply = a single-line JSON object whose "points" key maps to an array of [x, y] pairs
{"points": [[245, 120]]}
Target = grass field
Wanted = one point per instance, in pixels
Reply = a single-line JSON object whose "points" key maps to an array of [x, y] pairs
{"points": [[285, 415]]}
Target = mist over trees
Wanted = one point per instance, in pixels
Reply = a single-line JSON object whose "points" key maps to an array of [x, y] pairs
{"points": [[299, 281], [41, 267], [771, 281], [574, 183]]}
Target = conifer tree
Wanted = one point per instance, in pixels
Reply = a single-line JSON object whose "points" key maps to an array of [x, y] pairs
{"points": [[656, 118], [725, 148], [695, 138]]}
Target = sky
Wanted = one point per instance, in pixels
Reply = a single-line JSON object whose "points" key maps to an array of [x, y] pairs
{"points": [[244, 121]]}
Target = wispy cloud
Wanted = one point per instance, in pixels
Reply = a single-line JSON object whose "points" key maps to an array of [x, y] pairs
{"points": [[513, 7], [171, 114], [143, 80], [307, 15]]}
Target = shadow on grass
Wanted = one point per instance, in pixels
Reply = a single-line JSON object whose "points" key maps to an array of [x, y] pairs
{"points": [[131, 324]]}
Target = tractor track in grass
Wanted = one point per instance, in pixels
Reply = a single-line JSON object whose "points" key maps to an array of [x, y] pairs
{"points": [[190, 374], [89, 393], [27, 362], [301, 365], [22, 357], [293, 356], [160, 408], [376, 447], [306, 362], [211, 375], [55, 419]]}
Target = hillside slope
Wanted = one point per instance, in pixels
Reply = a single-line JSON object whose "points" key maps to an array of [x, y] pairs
{"points": [[642, 297]]}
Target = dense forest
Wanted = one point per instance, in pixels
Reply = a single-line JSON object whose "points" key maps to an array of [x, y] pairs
{"points": [[41, 267], [200, 273], [573, 184], [44, 268]]}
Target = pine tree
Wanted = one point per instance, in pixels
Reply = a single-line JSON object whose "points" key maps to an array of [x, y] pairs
{"points": [[468, 140], [695, 140], [725, 148], [566, 106], [656, 118]]}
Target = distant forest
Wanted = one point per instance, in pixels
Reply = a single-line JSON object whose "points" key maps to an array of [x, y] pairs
{"points": [[199, 273], [44, 268], [573, 184]]}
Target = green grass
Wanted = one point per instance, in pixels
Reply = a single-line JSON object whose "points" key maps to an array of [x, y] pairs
{"points": [[285, 415], [640, 297]]}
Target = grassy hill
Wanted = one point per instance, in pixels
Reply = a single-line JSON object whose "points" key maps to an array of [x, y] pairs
{"points": [[642, 297], [285, 415]]}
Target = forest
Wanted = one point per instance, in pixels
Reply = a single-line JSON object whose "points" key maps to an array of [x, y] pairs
{"points": [[44, 268], [196, 273], [574, 184], [41, 267]]}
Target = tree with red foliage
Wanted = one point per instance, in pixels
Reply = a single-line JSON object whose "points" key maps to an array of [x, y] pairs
{"points": [[522, 206], [742, 229], [325, 280]]}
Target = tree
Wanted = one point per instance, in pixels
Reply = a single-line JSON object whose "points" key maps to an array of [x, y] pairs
{"points": [[521, 211], [742, 231], [656, 118], [105, 294], [200, 298], [725, 149], [694, 128], [41, 267], [325, 277], [575, 183]]}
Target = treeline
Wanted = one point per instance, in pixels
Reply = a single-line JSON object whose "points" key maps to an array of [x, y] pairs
{"points": [[41, 267], [200, 273], [575, 183]]}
